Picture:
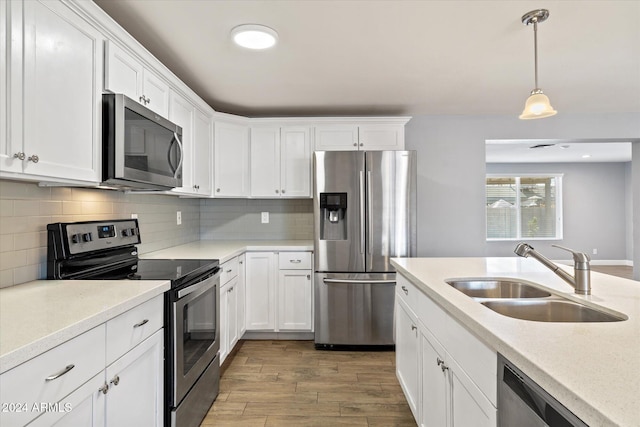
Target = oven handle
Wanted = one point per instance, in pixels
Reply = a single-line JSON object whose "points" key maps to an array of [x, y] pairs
{"points": [[197, 286], [356, 281]]}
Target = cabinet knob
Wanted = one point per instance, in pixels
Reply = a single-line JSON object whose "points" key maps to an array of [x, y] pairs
{"points": [[19, 156], [282, 191], [34, 158], [308, 277], [142, 99], [414, 327], [361, 144], [355, 144], [405, 290], [441, 364], [115, 380], [217, 190], [277, 191], [147, 101], [104, 389]]}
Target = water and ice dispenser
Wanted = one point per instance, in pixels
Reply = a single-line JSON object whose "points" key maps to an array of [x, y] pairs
{"points": [[333, 207]]}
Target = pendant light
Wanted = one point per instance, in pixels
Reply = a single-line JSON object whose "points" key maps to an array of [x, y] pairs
{"points": [[537, 105]]}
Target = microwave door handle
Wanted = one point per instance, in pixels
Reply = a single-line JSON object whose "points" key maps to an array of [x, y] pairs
{"points": [[173, 170], [175, 175]]}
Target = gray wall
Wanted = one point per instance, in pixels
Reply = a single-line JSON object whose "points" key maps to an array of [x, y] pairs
{"points": [[451, 171], [594, 207], [635, 178], [628, 190]]}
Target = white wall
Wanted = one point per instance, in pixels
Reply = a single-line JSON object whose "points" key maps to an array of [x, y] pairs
{"points": [[635, 178], [451, 171]]}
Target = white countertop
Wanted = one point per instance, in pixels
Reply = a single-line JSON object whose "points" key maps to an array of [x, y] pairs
{"points": [[224, 250], [592, 368], [39, 315]]}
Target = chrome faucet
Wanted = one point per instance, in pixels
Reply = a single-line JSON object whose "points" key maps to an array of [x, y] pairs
{"points": [[581, 280]]}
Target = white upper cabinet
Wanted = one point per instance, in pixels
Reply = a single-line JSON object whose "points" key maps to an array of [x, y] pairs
{"points": [[51, 114], [125, 74], [231, 160], [368, 136], [202, 146], [182, 112], [265, 162]]}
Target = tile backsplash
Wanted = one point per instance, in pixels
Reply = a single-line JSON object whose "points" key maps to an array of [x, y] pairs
{"points": [[26, 209]]}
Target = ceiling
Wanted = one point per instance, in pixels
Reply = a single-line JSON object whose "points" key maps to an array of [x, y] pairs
{"points": [[557, 151], [395, 56]]}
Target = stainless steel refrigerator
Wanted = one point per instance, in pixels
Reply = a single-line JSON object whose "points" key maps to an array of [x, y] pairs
{"points": [[364, 214]]}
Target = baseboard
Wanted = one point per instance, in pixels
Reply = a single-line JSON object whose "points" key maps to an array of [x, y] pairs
{"points": [[296, 336]]}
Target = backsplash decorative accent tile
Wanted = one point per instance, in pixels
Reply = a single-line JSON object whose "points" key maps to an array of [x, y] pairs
{"points": [[26, 209]]}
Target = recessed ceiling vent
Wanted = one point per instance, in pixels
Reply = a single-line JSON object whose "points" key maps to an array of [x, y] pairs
{"points": [[542, 145]]}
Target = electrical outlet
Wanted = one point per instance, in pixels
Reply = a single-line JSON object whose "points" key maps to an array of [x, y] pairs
{"points": [[595, 251], [264, 217], [178, 217], [134, 216]]}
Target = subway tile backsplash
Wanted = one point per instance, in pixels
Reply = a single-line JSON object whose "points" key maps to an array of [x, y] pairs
{"points": [[26, 209]]}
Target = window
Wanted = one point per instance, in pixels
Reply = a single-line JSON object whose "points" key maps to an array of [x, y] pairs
{"points": [[524, 207]]}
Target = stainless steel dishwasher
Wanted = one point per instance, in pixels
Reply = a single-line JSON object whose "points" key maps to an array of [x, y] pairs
{"points": [[523, 403]]}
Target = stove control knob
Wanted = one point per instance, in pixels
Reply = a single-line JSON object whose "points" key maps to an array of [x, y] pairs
{"points": [[76, 238], [134, 231], [87, 237], [126, 232]]}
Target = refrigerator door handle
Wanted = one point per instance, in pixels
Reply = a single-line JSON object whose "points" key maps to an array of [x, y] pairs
{"points": [[369, 209], [369, 282], [362, 213]]}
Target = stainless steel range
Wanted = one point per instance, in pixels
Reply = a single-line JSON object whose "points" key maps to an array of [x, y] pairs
{"points": [[105, 250]]}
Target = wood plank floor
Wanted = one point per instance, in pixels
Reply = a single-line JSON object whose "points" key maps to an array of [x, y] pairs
{"points": [[289, 383]]}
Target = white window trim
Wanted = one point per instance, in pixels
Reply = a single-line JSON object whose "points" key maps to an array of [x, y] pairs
{"points": [[559, 208]]}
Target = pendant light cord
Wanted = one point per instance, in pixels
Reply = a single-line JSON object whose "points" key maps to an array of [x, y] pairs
{"points": [[535, 50]]}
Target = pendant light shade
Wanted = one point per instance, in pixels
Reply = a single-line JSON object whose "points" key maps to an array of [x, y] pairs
{"points": [[537, 105]]}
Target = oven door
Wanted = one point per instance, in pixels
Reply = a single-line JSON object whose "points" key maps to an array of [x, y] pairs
{"points": [[195, 333]]}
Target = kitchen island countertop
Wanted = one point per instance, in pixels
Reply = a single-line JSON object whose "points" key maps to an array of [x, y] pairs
{"points": [[39, 315], [592, 368]]}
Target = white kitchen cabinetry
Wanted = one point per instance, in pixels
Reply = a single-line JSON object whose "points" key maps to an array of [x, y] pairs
{"points": [[456, 378], [279, 291], [52, 108], [363, 137], [231, 305], [295, 291], [280, 161], [110, 375], [231, 160], [182, 112], [127, 75], [242, 292]]}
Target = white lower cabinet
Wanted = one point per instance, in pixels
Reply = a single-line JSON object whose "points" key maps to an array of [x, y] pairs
{"points": [[74, 384], [231, 305], [447, 374], [279, 291]]}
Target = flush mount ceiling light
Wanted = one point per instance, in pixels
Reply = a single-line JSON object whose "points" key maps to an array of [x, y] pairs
{"points": [[537, 105], [254, 36]]}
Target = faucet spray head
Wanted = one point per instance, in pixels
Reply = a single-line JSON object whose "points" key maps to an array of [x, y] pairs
{"points": [[523, 249]]}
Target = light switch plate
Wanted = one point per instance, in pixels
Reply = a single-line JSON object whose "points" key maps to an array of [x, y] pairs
{"points": [[264, 217]]}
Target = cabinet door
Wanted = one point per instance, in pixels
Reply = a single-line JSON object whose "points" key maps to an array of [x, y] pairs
{"points": [[265, 162], [156, 93], [231, 160], [136, 384], [224, 323], [232, 313], [294, 300], [84, 407], [376, 137], [336, 137], [182, 112], [295, 165], [202, 144], [123, 73], [469, 406], [6, 153], [242, 321], [261, 276], [63, 67], [433, 393], [407, 348]]}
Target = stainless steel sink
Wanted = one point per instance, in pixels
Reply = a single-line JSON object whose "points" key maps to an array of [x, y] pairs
{"points": [[497, 288], [550, 310]]}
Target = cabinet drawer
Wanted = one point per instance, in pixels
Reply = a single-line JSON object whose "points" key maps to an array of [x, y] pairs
{"points": [[229, 270], [134, 326], [408, 293], [294, 261], [51, 376]]}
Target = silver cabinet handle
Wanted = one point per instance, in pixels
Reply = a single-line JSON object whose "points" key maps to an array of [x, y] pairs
{"points": [[405, 290], [115, 380], [20, 155], [34, 158], [147, 101], [295, 261], [59, 374], [439, 361], [414, 327], [141, 99], [229, 270], [144, 322], [104, 389]]}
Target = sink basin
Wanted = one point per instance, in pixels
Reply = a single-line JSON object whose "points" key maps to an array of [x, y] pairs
{"points": [[497, 288], [550, 310]]}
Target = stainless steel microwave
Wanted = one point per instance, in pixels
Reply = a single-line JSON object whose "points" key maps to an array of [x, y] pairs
{"points": [[140, 149]]}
